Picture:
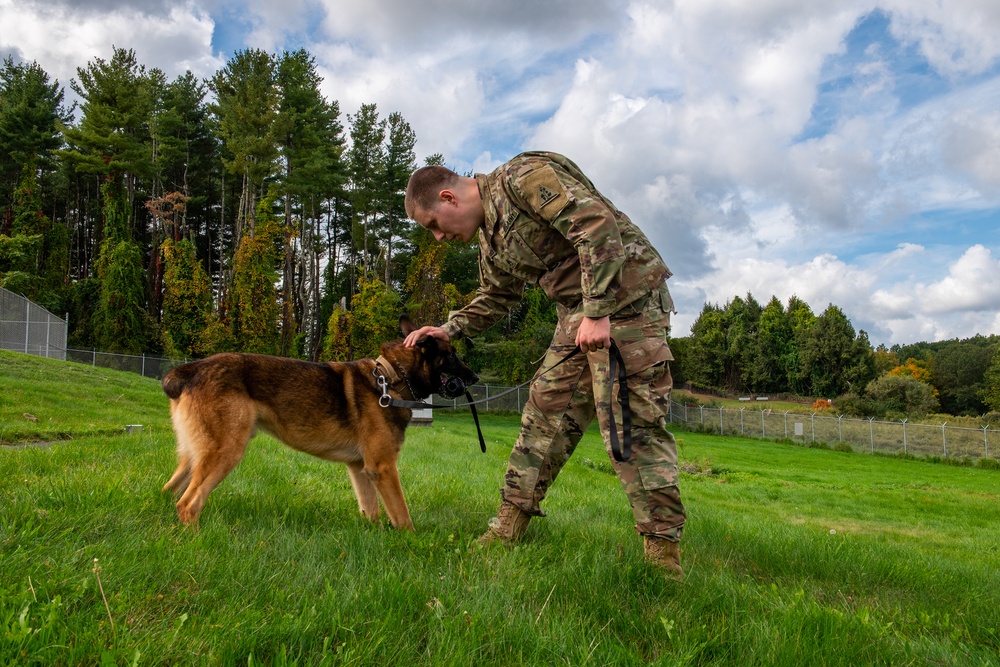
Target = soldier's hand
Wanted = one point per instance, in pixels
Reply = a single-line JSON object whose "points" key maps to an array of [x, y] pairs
{"points": [[593, 334], [436, 332]]}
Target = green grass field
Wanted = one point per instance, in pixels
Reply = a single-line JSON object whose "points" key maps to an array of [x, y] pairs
{"points": [[793, 556]]}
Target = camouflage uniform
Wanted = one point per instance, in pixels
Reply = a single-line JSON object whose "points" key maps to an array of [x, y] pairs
{"points": [[546, 224]]}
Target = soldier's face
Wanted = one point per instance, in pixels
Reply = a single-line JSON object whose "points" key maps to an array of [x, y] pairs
{"points": [[451, 219]]}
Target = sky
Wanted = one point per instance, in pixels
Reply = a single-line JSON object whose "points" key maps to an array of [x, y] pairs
{"points": [[844, 152]]}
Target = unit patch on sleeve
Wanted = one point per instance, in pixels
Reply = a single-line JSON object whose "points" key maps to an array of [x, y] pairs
{"points": [[545, 192]]}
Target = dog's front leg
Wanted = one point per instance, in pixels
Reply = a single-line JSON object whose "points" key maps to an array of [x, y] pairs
{"points": [[389, 487], [364, 490]]}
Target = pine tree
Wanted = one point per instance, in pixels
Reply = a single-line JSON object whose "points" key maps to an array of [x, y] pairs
{"points": [[400, 162], [31, 111], [246, 108], [311, 141], [366, 160]]}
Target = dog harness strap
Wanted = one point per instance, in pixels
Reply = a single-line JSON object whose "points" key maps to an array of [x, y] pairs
{"points": [[624, 452]]}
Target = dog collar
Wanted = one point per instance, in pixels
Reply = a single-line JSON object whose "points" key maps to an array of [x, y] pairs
{"points": [[385, 376], [383, 366]]}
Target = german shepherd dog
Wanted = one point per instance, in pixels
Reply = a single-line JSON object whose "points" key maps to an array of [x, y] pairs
{"points": [[331, 410]]}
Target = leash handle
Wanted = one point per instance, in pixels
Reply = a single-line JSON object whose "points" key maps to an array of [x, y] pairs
{"points": [[621, 452]]}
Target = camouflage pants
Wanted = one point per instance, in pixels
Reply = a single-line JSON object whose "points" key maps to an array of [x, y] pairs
{"points": [[563, 403]]}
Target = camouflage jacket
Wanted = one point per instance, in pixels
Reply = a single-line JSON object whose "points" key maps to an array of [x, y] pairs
{"points": [[547, 225]]}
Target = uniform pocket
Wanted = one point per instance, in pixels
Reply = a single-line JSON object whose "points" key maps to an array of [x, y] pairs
{"points": [[658, 476], [644, 354]]}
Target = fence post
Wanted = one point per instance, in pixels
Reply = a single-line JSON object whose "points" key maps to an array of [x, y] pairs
{"points": [[986, 442], [840, 427], [904, 436], [812, 422], [721, 425], [871, 432], [786, 423], [742, 430], [762, 435], [944, 440]]}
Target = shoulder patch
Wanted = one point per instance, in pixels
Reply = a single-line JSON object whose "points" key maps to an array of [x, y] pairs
{"points": [[545, 192]]}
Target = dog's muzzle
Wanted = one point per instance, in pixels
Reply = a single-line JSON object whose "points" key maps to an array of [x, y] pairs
{"points": [[453, 387]]}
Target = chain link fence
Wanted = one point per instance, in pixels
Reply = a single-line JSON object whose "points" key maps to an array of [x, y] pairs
{"points": [[148, 366], [860, 435], [27, 327]]}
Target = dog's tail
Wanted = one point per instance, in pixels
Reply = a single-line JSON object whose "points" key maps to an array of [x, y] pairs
{"points": [[178, 378]]}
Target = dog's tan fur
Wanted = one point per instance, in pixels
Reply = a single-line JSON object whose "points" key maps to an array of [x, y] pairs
{"points": [[330, 410]]}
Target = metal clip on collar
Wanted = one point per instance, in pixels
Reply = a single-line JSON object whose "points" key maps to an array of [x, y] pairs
{"points": [[385, 399]]}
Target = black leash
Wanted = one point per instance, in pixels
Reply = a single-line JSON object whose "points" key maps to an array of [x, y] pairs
{"points": [[625, 452], [621, 453], [385, 400]]}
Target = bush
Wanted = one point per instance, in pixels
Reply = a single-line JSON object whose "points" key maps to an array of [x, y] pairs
{"points": [[988, 464], [902, 395]]}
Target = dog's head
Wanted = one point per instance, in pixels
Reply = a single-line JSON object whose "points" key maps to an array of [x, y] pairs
{"points": [[431, 367]]}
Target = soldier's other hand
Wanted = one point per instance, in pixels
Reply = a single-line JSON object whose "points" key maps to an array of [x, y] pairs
{"points": [[436, 332], [594, 334]]}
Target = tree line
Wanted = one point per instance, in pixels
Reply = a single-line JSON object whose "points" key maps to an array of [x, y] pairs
{"points": [[192, 216], [243, 212], [786, 349]]}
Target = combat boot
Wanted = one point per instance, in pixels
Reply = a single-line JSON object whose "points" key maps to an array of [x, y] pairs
{"points": [[664, 554], [507, 527]]}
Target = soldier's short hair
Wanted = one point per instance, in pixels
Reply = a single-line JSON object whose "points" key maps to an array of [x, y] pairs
{"points": [[425, 184]]}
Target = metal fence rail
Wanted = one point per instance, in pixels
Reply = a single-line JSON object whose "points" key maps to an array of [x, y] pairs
{"points": [[27, 327]]}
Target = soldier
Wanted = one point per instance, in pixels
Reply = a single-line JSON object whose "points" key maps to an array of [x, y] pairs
{"points": [[540, 220]]}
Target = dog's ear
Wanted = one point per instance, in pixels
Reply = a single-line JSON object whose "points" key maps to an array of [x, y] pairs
{"points": [[406, 326], [426, 342]]}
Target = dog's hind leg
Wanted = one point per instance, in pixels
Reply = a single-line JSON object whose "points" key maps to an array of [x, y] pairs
{"points": [[364, 489], [180, 409], [219, 450], [178, 482]]}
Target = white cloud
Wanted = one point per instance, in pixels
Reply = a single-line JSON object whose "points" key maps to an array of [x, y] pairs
{"points": [[972, 283], [972, 145], [62, 38], [689, 114], [958, 37]]}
